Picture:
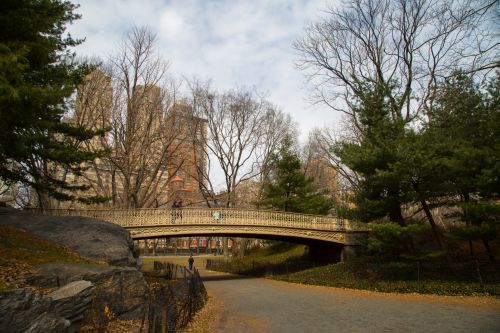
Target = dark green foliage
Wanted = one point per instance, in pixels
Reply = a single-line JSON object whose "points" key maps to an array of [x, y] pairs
{"points": [[382, 190], [38, 75], [483, 219], [465, 130], [482, 223], [463, 141], [390, 240], [403, 277], [454, 159], [289, 189]]}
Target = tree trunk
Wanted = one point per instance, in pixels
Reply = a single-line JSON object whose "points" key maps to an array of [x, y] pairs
{"points": [[243, 246], [435, 229], [432, 222], [471, 249], [467, 223], [43, 200], [113, 186], [488, 249], [208, 244], [225, 248], [155, 244], [395, 214]]}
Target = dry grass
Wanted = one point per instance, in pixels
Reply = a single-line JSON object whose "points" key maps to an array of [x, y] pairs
{"points": [[21, 251]]}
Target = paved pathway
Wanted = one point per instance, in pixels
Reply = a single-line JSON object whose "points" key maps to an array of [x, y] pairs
{"points": [[261, 305]]}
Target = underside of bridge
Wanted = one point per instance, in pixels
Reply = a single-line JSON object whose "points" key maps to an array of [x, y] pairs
{"points": [[317, 250]]}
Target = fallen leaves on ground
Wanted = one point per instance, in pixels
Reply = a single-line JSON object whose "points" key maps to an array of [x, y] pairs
{"points": [[115, 326], [206, 319], [13, 273]]}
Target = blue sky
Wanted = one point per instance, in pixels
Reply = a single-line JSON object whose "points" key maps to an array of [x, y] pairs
{"points": [[233, 43]]}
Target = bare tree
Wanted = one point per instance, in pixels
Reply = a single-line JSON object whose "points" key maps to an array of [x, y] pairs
{"points": [[240, 131], [322, 142], [318, 166], [408, 45], [235, 123], [135, 98], [275, 128]]}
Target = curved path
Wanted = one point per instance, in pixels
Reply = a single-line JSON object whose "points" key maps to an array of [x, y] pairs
{"points": [[263, 305]]}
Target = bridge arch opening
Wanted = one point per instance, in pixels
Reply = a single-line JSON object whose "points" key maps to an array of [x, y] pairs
{"points": [[318, 251]]}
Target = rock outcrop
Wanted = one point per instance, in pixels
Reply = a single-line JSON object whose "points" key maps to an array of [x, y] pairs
{"points": [[27, 310], [88, 237], [81, 293], [122, 289], [72, 300]]}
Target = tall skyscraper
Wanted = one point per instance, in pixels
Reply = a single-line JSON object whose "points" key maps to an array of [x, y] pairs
{"points": [[156, 150]]}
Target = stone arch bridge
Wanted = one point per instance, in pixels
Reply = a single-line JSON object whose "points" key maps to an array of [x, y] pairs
{"points": [[323, 233]]}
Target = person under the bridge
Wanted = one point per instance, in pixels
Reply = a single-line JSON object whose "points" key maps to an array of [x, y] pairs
{"points": [[191, 262]]}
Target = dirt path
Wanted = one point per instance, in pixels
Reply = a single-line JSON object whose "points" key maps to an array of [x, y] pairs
{"points": [[262, 305]]}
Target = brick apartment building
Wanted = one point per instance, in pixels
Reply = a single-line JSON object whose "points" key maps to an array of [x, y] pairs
{"points": [[154, 146]]}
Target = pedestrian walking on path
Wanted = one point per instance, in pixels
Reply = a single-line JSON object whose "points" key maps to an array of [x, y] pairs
{"points": [[191, 262]]}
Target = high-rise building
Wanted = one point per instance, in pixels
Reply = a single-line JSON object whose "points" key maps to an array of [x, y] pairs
{"points": [[188, 166], [325, 176], [94, 102], [145, 112], [156, 153]]}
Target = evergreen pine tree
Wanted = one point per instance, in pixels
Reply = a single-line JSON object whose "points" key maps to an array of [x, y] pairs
{"points": [[38, 75], [382, 190], [288, 188], [464, 156]]}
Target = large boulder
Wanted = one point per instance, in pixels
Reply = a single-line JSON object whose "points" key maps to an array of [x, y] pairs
{"points": [[27, 310], [122, 289], [88, 237], [72, 300]]}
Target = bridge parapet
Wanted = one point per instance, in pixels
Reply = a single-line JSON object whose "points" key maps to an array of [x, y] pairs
{"points": [[151, 223], [189, 216]]}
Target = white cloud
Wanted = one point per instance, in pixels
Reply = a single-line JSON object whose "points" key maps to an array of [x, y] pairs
{"points": [[234, 43], [171, 23]]}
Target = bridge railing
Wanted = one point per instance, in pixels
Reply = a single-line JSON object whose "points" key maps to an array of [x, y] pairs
{"points": [[213, 216]]}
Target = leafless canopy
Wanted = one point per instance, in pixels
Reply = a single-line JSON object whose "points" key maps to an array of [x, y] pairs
{"points": [[239, 134], [133, 95], [321, 142], [410, 44]]}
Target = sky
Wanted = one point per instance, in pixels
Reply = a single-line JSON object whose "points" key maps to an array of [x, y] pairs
{"points": [[234, 43]]}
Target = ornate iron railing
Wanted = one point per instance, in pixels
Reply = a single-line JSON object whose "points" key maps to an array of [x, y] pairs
{"points": [[207, 216]]}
